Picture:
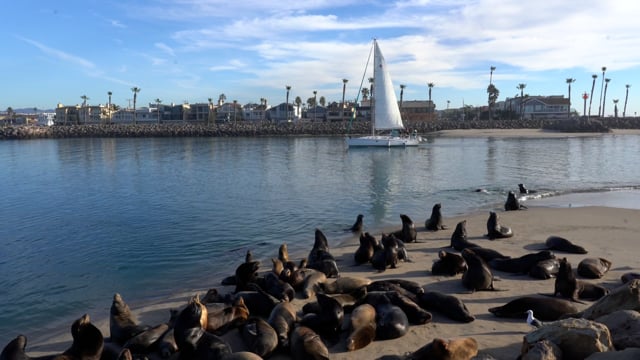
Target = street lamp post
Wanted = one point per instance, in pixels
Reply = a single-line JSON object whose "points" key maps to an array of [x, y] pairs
{"points": [[344, 88], [315, 104], [569, 82], [585, 96], [288, 87]]}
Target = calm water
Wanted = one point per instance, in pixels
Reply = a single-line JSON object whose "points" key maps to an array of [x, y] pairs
{"points": [[85, 218]]}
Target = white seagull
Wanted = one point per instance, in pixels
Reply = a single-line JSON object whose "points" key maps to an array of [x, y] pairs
{"points": [[532, 320]]}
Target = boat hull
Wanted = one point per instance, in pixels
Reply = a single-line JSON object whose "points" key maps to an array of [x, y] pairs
{"points": [[382, 141]]}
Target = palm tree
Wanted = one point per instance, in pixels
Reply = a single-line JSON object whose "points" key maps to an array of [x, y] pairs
{"points": [[288, 87], [615, 108], [322, 101], [210, 114], [135, 91], [521, 88], [430, 85], [626, 97], [235, 104], [158, 101], [569, 82], [315, 103], [606, 81], [491, 70], [10, 114], [601, 104], [365, 94], [298, 102], [493, 94], [109, 105], [221, 99], [593, 85], [84, 107], [344, 89]]}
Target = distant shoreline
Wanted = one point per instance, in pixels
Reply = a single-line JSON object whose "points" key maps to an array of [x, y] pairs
{"points": [[259, 129]]}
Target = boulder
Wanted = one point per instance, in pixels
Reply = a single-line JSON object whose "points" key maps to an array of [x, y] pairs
{"points": [[576, 338], [624, 326], [626, 354], [543, 350]]}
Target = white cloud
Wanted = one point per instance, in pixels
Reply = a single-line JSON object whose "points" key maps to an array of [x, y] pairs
{"points": [[59, 54], [164, 47]]}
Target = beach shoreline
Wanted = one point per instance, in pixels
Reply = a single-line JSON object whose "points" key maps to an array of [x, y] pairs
{"points": [[605, 231]]}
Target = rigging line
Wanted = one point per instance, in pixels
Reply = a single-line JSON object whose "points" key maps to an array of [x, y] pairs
{"points": [[353, 115]]}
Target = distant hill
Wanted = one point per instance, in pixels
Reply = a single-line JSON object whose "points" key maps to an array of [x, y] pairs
{"points": [[29, 110]]}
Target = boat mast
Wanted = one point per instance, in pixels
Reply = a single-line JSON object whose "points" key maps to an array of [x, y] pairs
{"points": [[373, 89]]}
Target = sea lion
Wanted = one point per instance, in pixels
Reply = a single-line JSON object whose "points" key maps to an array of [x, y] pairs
{"points": [[593, 268], [448, 305], [512, 202], [328, 321], [495, 230], [626, 277], [488, 254], [545, 308], [624, 297], [123, 325], [404, 284], [282, 319], [279, 289], [416, 314], [440, 349], [522, 264], [562, 244], [145, 341], [591, 292], [386, 255], [242, 355], [15, 349], [202, 345], [320, 258], [344, 284], [408, 232], [478, 275], [193, 316], [364, 252], [363, 327], [434, 223], [459, 237], [448, 264], [221, 319], [88, 341], [391, 321], [545, 269], [306, 345], [312, 283], [358, 225], [257, 300], [246, 273], [259, 337], [566, 285], [524, 190], [283, 255]]}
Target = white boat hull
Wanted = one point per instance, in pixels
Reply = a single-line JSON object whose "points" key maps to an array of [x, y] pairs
{"points": [[383, 141]]}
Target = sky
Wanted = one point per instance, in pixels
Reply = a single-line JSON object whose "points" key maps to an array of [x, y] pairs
{"points": [[55, 51]]}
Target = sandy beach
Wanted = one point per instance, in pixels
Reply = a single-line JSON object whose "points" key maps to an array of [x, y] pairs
{"points": [[605, 232]]}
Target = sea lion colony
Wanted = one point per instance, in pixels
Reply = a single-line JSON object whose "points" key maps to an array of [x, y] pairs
{"points": [[344, 312]]}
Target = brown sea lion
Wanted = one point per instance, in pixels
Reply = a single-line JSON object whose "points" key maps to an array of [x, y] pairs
{"points": [[524, 190], [15, 349], [220, 320], [408, 232], [364, 252], [459, 237], [448, 305], [358, 226], [495, 230], [626, 277], [392, 241], [408, 285], [591, 292], [434, 223], [329, 320], [312, 283], [259, 337], [279, 289], [144, 342], [566, 284], [440, 349], [123, 324], [88, 341], [193, 316], [241, 355], [416, 314], [522, 264], [448, 264], [344, 284], [478, 275], [386, 255], [246, 273], [561, 244], [624, 297], [282, 319], [545, 269], [306, 345], [593, 268], [545, 308], [512, 202], [202, 345], [489, 254], [363, 327], [276, 266], [320, 258]]}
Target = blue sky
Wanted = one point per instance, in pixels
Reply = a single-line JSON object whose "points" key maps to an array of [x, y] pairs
{"points": [[192, 50]]}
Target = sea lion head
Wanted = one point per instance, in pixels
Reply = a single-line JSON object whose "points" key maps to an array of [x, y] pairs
{"points": [[283, 253]]}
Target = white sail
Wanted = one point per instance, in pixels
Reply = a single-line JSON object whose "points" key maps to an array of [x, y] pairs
{"points": [[386, 112]]}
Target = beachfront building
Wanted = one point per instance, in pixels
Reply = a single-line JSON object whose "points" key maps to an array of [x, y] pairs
{"points": [[46, 118], [283, 113], [538, 107], [255, 112], [144, 115], [78, 114], [335, 112], [229, 112], [418, 110]]}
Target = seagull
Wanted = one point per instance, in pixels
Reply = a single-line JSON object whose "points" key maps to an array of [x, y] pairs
{"points": [[532, 320]]}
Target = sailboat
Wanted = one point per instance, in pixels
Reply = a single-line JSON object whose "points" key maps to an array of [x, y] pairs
{"points": [[385, 111]]}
